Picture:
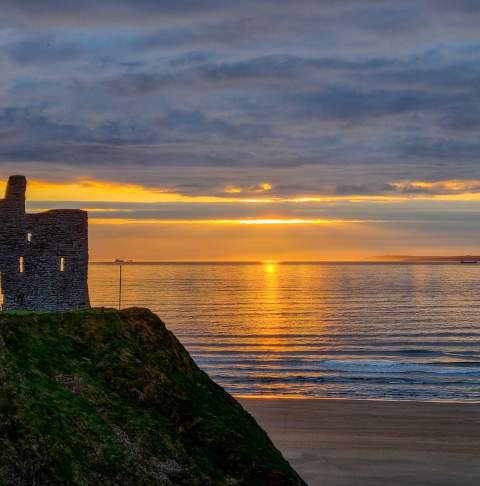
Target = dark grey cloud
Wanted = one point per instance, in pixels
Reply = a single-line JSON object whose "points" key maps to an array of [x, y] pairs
{"points": [[44, 48], [140, 83], [201, 95], [451, 150], [462, 119], [28, 126], [343, 103], [369, 14]]}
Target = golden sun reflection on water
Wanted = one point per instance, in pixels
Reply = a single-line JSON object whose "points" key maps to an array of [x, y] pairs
{"points": [[273, 305]]}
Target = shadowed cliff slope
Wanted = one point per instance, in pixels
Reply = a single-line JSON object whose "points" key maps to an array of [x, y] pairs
{"points": [[113, 398]]}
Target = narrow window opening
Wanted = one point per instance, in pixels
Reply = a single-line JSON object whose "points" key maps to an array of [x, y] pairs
{"points": [[29, 237], [62, 264], [21, 264]]}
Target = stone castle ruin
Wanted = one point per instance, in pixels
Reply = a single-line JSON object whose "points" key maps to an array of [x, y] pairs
{"points": [[43, 256]]}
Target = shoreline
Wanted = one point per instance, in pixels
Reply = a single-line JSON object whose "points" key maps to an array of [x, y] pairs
{"points": [[241, 397], [340, 442]]}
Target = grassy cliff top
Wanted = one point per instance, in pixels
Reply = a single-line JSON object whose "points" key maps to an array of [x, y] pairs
{"points": [[113, 398]]}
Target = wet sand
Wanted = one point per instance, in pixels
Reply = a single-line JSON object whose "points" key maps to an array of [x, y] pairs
{"points": [[354, 442]]}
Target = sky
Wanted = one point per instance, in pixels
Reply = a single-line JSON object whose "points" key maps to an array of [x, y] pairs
{"points": [[246, 130]]}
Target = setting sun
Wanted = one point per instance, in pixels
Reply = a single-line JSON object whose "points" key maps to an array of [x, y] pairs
{"points": [[270, 266]]}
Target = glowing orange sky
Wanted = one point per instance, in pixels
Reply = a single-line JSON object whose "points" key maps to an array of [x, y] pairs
{"points": [[135, 222], [88, 191], [316, 132]]}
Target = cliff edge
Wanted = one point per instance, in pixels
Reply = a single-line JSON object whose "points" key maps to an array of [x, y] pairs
{"points": [[113, 398]]}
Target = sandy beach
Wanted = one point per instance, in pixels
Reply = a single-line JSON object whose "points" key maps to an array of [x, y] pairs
{"points": [[351, 442]]}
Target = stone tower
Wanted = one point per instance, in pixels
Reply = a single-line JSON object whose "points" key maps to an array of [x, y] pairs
{"points": [[43, 256]]}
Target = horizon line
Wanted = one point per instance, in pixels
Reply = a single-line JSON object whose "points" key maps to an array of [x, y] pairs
{"points": [[374, 259]]}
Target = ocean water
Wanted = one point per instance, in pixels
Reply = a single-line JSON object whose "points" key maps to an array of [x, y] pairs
{"points": [[382, 331]]}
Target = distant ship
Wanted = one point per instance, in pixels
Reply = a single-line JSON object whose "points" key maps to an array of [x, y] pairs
{"points": [[470, 262]]}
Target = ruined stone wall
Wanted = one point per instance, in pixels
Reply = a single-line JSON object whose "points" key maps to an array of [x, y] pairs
{"points": [[43, 257]]}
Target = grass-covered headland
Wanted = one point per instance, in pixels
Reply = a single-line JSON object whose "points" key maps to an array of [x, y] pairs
{"points": [[113, 398]]}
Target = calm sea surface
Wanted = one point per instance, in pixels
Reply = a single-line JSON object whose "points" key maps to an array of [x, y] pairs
{"points": [[390, 331]]}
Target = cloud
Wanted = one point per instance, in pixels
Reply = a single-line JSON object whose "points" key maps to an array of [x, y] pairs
{"points": [[342, 103], [44, 48], [312, 96], [442, 149]]}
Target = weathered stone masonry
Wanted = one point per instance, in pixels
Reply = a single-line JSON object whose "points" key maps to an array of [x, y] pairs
{"points": [[43, 256]]}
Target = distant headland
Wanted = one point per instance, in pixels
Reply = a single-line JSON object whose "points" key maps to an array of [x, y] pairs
{"points": [[427, 258]]}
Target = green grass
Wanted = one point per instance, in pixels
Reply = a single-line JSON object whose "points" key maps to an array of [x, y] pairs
{"points": [[113, 397]]}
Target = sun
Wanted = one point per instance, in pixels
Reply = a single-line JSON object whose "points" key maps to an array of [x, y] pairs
{"points": [[270, 265]]}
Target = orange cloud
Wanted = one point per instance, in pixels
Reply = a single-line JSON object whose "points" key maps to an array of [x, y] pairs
{"points": [[265, 186], [91, 191], [233, 190], [439, 188]]}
